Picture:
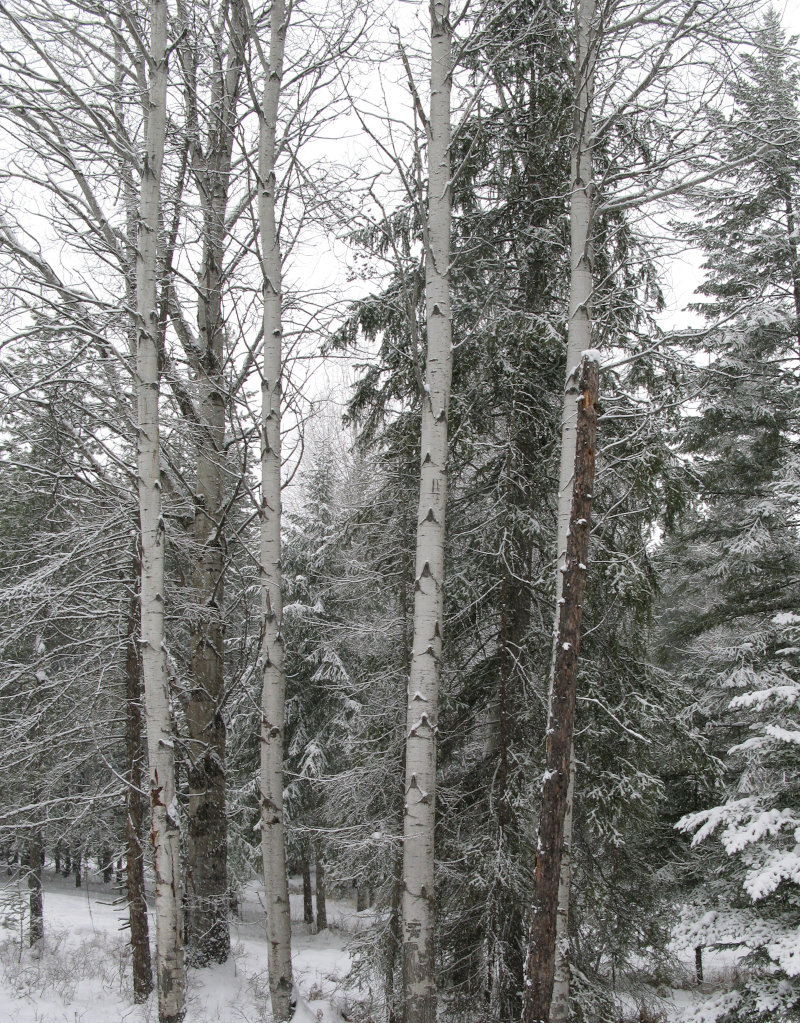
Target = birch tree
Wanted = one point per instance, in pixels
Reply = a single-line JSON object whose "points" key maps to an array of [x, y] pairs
{"points": [[419, 982], [84, 150], [165, 826], [273, 843]]}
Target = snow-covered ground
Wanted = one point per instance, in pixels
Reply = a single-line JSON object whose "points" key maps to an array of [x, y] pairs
{"points": [[83, 974], [703, 1004], [680, 999]]}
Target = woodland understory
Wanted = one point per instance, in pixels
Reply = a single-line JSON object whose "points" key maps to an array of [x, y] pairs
{"points": [[393, 566]]}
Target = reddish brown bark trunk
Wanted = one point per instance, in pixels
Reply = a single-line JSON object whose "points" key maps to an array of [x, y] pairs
{"points": [[540, 964]]}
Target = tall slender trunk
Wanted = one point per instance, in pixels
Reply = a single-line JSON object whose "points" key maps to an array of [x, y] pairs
{"points": [[135, 805], [394, 937], [319, 877], [540, 966], [135, 810], [419, 982], [33, 853], [165, 831], [579, 338], [33, 868], [308, 895], [207, 929], [107, 865], [276, 884]]}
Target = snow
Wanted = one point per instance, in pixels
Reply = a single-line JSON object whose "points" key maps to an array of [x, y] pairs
{"points": [[83, 973], [784, 734], [777, 865], [786, 618], [758, 699], [174, 813]]}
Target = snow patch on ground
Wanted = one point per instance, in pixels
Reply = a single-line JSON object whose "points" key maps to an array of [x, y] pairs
{"points": [[82, 975]]}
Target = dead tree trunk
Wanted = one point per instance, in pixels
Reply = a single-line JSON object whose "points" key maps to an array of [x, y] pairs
{"points": [[578, 340], [540, 966]]}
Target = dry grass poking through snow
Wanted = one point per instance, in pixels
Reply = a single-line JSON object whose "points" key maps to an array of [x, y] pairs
{"points": [[57, 970], [82, 972], [90, 982]]}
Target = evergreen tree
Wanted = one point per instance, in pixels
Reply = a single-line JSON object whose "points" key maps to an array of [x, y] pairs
{"points": [[733, 599], [509, 276]]}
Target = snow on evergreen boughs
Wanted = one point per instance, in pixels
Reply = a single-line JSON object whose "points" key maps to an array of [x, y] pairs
{"points": [[758, 829]]}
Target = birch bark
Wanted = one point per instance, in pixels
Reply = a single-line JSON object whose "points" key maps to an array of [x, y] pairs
{"points": [[419, 985], [579, 338], [165, 833], [272, 649]]}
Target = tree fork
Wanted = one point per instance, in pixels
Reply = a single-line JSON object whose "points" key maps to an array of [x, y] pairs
{"points": [[540, 966]]}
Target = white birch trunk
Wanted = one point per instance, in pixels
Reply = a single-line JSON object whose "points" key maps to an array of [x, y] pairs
{"points": [[579, 338], [419, 986], [165, 831], [272, 650]]}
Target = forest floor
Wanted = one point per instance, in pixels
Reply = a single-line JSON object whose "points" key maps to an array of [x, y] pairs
{"points": [[83, 973]]}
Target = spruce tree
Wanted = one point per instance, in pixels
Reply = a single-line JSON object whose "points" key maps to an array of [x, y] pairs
{"points": [[733, 602]]}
